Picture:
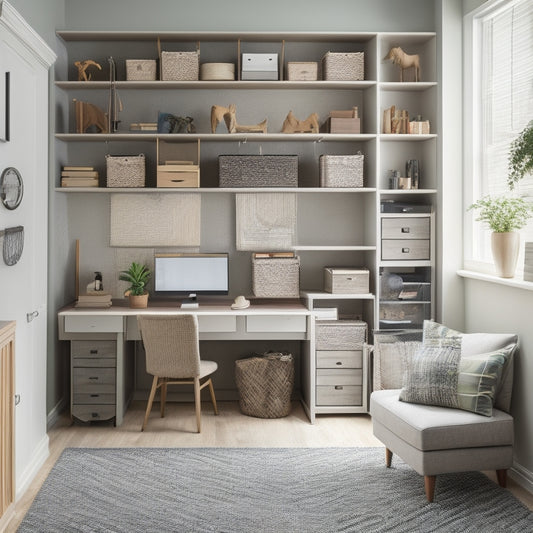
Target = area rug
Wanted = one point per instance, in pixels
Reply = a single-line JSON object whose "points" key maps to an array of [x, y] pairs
{"points": [[273, 490]]}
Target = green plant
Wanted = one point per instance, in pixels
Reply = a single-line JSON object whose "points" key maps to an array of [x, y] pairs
{"points": [[521, 156], [503, 213], [137, 276]]}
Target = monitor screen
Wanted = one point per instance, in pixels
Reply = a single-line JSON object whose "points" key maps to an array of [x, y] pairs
{"points": [[191, 273]]}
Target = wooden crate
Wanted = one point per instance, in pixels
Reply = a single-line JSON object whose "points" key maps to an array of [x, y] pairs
{"points": [[178, 176], [302, 71]]}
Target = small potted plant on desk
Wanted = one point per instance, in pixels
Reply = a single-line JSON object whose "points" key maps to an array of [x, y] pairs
{"points": [[137, 276]]}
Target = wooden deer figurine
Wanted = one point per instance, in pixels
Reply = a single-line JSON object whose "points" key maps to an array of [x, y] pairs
{"points": [[292, 125], [404, 61], [82, 67], [88, 115]]}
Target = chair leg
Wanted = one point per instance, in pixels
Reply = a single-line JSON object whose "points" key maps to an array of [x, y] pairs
{"points": [[502, 477], [150, 401], [213, 399], [198, 404], [388, 457], [163, 396], [429, 482]]}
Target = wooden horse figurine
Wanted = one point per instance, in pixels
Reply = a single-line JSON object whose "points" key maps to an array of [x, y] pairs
{"points": [[217, 115], [233, 127], [89, 115], [82, 67], [404, 61], [292, 125]]}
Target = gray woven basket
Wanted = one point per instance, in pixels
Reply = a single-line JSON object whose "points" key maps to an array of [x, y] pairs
{"points": [[340, 334], [341, 170], [344, 66], [276, 277], [126, 171], [265, 385], [179, 66], [258, 170]]}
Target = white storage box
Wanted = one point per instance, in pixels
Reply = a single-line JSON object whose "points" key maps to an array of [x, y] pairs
{"points": [[259, 67], [341, 170], [347, 280], [179, 66], [276, 277], [140, 69]]}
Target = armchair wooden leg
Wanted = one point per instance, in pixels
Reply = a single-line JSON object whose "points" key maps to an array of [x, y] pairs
{"points": [[502, 477], [429, 482], [388, 457], [198, 404], [213, 399], [150, 402], [163, 396]]}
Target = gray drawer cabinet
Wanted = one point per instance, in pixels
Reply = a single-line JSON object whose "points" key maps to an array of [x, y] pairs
{"points": [[405, 238], [93, 379]]}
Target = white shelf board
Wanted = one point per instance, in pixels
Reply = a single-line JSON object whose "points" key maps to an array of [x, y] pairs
{"points": [[406, 137], [177, 190], [419, 263], [407, 86], [387, 192], [321, 295], [355, 248]]}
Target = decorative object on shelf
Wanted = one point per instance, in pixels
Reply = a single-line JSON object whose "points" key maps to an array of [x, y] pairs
{"points": [[115, 103], [98, 282], [259, 67], [412, 170], [240, 303], [217, 71], [504, 215], [302, 70], [141, 69], [404, 61], [521, 156], [419, 126], [292, 125], [341, 170], [143, 126], [233, 127], [11, 188], [89, 115], [126, 170], [169, 123], [179, 66], [13, 244], [343, 121], [343, 66], [137, 276], [395, 120], [275, 277], [82, 67], [258, 170], [79, 176], [344, 280], [399, 182], [217, 116]]}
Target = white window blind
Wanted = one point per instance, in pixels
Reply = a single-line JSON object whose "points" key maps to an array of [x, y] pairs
{"points": [[506, 96]]}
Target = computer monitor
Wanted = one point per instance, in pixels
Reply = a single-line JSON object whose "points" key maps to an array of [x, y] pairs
{"points": [[191, 274]]}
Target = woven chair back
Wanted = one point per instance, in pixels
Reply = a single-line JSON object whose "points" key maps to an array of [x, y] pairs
{"points": [[171, 345]]}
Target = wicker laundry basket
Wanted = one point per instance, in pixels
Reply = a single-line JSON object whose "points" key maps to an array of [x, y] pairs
{"points": [[265, 384]]}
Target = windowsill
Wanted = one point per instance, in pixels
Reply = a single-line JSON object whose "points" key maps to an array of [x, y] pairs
{"points": [[516, 282]]}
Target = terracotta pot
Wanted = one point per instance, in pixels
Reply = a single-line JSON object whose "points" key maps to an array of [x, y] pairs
{"points": [[505, 248], [138, 302]]}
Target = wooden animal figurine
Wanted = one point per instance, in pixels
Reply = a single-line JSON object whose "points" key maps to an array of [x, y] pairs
{"points": [[233, 127], [292, 125], [217, 116], [404, 61], [82, 67], [88, 115]]}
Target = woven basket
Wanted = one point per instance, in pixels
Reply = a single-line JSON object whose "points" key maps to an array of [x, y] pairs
{"points": [[140, 69], [126, 171], [340, 334], [265, 385], [179, 66], [258, 170], [276, 277], [341, 170], [344, 66]]}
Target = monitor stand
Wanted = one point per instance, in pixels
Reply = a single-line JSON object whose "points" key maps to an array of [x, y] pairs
{"points": [[190, 303]]}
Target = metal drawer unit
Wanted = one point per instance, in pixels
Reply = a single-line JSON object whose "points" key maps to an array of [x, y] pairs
{"points": [[93, 379], [339, 363]]}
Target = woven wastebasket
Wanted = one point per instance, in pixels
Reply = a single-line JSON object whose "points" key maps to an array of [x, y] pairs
{"points": [[265, 384]]}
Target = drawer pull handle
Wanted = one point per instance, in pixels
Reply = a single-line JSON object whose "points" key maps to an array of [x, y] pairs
{"points": [[339, 387], [94, 395], [94, 415], [93, 377], [405, 250], [339, 363], [406, 230], [93, 352]]}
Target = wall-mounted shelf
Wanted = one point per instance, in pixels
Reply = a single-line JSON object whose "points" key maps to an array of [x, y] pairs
{"points": [[216, 190]]}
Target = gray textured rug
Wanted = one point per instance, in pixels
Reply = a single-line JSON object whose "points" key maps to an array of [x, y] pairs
{"points": [[271, 490]]}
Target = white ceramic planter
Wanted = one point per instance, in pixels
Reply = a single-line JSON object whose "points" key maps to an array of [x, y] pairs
{"points": [[505, 248]]}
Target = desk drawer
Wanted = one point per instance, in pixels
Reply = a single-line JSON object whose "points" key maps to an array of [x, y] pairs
{"points": [[339, 359], [94, 362], [404, 250], [93, 324], [339, 395], [268, 323], [93, 412], [89, 380], [216, 324], [335, 376], [93, 349], [405, 228], [94, 398]]}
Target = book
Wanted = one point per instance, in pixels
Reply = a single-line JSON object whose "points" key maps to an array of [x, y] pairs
{"points": [[79, 182], [265, 255], [72, 167], [79, 173], [93, 304]]}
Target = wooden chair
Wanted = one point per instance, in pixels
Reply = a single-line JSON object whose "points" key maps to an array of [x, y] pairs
{"points": [[173, 358]]}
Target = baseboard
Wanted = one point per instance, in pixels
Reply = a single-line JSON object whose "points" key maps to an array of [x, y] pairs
{"points": [[39, 457], [522, 476], [53, 415]]}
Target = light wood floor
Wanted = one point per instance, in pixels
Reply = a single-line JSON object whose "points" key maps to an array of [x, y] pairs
{"points": [[229, 429]]}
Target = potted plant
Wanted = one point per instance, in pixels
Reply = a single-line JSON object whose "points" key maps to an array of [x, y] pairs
{"points": [[137, 276], [504, 215], [521, 156]]}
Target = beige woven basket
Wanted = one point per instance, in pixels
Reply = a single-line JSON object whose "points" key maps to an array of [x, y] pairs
{"points": [[344, 66], [276, 277], [265, 385], [340, 334], [126, 171], [341, 170], [179, 66], [140, 69]]}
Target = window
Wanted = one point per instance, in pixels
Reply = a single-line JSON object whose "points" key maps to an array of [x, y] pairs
{"points": [[498, 105]]}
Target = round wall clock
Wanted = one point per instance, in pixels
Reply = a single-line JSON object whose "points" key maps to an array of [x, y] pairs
{"points": [[11, 188]]}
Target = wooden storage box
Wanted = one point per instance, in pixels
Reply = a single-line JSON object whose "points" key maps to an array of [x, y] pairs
{"points": [[302, 71], [140, 69], [126, 171], [342, 125], [343, 66], [178, 176], [340, 334], [405, 249], [339, 386], [276, 277], [347, 280], [405, 227], [341, 170], [258, 170], [179, 66]]}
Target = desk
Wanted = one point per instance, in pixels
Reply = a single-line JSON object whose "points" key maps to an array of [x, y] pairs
{"points": [[263, 320]]}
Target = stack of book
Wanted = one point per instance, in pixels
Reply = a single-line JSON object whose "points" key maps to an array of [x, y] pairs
{"points": [[95, 299], [143, 126], [74, 176]]}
